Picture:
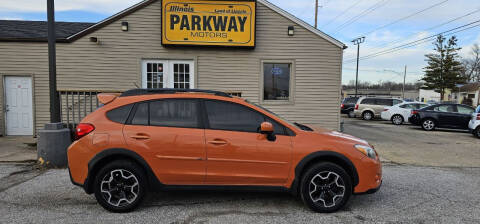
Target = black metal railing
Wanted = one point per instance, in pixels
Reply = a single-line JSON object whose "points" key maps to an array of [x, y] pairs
{"points": [[76, 104]]}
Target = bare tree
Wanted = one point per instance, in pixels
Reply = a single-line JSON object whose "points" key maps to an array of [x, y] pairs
{"points": [[471, 66]]}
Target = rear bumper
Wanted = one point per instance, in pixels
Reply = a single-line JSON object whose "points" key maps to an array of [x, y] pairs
{"points": [[346, 111]]}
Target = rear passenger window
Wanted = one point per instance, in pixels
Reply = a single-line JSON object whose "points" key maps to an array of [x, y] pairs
{"points": [[175, 113], [141, 114], [119, 114]]}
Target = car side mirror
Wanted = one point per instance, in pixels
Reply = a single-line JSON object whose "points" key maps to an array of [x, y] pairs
{"points": [[266, 128]]}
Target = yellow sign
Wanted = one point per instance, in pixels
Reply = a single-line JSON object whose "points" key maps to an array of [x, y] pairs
{"points": [[214, 23]]}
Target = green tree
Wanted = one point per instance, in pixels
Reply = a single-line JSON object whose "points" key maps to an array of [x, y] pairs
{"points": [[444, 67]]}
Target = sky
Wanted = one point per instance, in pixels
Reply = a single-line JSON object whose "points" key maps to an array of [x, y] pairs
{"points": [[386, 24]]}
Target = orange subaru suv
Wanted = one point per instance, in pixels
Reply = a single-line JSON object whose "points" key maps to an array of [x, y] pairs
{"points": [[158, 139]]}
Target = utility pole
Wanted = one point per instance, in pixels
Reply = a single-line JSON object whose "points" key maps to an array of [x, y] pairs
{"points": [[316, 13], [55, 138], [357, 42], [404, 77], [52, 67]]}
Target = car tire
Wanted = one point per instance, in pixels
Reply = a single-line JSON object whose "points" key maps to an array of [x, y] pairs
{"points": [[476, 132], [129, 186], [351, 114], [428, 124], [367, 115], [325, 187], [397, 119]]}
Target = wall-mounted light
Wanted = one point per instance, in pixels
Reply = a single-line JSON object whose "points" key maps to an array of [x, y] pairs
{"points": [[94, 39], [124, 26], [290, 30]]}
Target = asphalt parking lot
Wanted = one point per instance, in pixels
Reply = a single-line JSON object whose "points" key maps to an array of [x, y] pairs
{"points": [[410, 194], [409, 144]]}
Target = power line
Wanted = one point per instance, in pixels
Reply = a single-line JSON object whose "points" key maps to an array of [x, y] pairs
{"points": [[341, 14], [360, 15], [424, 41], [417, 42], [406, 17], [400, 40]]}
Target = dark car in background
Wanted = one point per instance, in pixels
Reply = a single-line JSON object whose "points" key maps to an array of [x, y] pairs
{"points": [[348, 105], [454, 116]]}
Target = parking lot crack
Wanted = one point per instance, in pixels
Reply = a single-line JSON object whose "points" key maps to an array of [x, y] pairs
{"points": [[20, 177]]}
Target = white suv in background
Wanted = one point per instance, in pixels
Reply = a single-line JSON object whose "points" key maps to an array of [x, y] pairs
{"points": [[401, 112], [474, 124]]}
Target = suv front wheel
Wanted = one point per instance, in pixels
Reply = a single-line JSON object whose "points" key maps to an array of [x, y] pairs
{"points": [[120, 186], [325, 187]]}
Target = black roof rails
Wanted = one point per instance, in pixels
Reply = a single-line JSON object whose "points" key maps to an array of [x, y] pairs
{"points": [[137, 92]]}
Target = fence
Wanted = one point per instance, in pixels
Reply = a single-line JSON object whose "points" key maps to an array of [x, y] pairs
{"points": [[76, 104]]}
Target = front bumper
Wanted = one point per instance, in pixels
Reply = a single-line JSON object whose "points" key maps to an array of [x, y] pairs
{"points": [[373, 190], [414, 120]]}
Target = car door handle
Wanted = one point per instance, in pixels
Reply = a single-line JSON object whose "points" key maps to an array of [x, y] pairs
{"points": [[140, 136], [218, 142]]}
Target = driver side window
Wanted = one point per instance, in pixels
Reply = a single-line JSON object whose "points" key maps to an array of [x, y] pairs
{"points": [[235, 117]]}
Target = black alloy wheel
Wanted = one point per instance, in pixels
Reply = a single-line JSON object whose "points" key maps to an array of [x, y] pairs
{"points": [[325, 187], [120, 186]]}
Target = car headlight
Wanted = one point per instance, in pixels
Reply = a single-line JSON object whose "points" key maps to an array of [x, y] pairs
{"points": [[367, 150]]}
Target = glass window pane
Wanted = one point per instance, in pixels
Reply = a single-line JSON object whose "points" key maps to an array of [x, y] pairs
{"points": [[445, 108], [174, 113], [141, 115], [465, 110], [119, 114], [276, 81], [232, 117], [278, 129]]}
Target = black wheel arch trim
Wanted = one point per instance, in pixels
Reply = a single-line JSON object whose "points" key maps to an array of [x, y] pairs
{"points": [[325, 156], [108, 155]]}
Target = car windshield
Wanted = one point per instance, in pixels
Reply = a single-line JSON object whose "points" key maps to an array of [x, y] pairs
{"points": [[276, 115]]}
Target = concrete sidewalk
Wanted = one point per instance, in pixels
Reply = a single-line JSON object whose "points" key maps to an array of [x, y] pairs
{"points": [[18, 149]]}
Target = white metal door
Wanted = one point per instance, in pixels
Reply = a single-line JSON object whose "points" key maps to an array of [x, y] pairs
{"points": [[18, 105], [168, 74]]}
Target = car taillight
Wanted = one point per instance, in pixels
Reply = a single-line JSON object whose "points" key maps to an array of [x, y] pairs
{"points": [[414, 112], [478, 117], [83, 129], [385, 109], [342, 106], [356, 106]]}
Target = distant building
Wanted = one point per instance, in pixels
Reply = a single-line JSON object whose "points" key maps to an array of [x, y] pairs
{"points": [[468, 94], [425, 95]]}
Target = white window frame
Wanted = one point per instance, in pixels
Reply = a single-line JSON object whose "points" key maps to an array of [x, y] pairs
{"points": [[291, 95], [168, 73]]}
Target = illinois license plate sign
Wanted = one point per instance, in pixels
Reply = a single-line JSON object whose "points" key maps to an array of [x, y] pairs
{"points": [[213, 23]]}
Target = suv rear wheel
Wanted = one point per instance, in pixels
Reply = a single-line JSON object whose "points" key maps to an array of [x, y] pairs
{"points": [[367, 115], [120, 186], [325, 187]]}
